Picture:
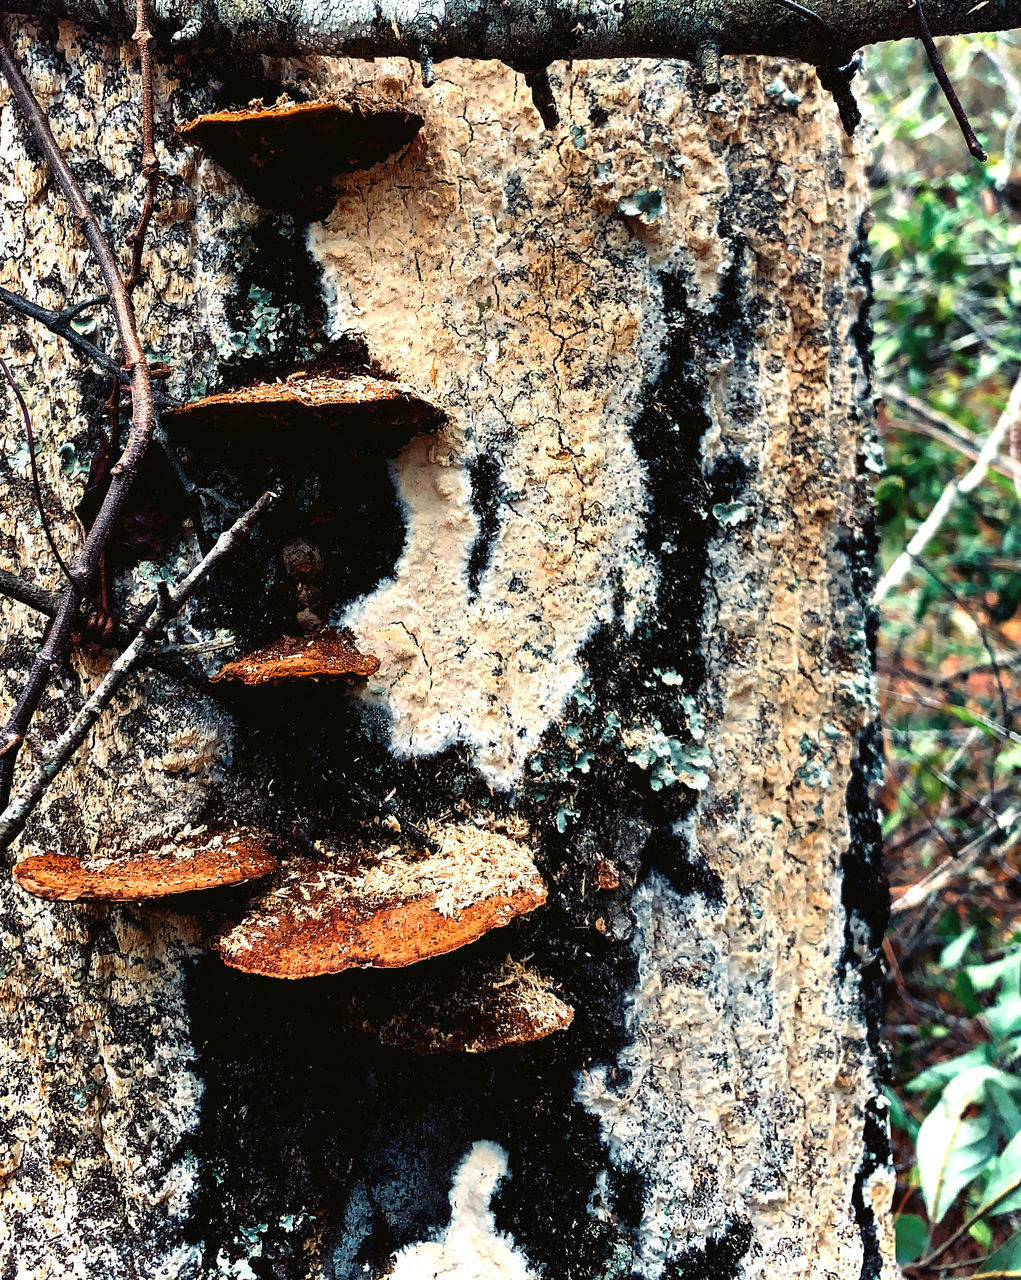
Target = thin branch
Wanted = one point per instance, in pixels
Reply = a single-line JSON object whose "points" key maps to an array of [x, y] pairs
{"points": [[37, 598], [943, 80], [930, 526], [921, 419], [59, 322], [161, 610], [150, 165], [85, 563], [33, 468], [1005, 830]]}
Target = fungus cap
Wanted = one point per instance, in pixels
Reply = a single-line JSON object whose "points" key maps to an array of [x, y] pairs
{"points": [[323, 655], [374, 412], [385, 907], [288, 156], [485, 1005], [193, 860]]}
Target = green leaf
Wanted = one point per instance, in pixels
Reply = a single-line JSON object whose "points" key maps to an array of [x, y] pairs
{"points": [[1006, 971], [981, 1233], [937, 1076], [1004, 1180], [1004, 1018], [953, 1147], [912, 1235], [953, 952], [1006, 1258]]}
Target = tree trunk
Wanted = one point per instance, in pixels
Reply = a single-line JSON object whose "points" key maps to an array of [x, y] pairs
{"points": [[620, 603]]}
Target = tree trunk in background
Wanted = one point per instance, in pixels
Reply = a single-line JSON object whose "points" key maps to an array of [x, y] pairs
{"points": [[620, 607]]}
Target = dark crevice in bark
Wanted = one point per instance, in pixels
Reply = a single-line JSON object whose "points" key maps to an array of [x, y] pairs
{"points": [[485, 499], [718, 1259], [864, 889]]}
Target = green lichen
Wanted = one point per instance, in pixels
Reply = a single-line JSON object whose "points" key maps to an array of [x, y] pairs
{"points": [[669, 760]]}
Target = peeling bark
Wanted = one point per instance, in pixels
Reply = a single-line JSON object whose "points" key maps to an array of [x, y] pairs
{"points": [[620, 602]]}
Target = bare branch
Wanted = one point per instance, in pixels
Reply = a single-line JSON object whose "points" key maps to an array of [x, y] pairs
{"points": [[1004, 831], [930, 526], [33, 467], [160, 611], [143, 419], [534, 33], [943, 80], [37, 598]]}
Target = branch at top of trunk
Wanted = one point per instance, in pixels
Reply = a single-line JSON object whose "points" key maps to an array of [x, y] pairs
{"points": [[533, 33]]}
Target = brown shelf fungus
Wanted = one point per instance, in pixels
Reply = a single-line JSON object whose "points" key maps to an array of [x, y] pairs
{"points": [[193, 860], [289, 156], [323, 655], [374, 413], [384, 907], [483, 1006]]}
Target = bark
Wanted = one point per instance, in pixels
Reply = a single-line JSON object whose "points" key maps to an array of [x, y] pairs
{"points": [[621, 604]]}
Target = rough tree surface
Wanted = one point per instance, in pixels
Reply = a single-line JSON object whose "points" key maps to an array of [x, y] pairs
{"points": [[618, 603]]}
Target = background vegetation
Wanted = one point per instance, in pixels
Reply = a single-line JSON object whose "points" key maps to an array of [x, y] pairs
{"points": [[947, 252]]}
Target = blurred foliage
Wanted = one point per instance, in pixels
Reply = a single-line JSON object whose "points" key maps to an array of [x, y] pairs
{"points": [[946, 246]]}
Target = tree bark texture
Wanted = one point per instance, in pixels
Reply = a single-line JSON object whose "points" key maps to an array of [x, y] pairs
{"points": [[620, 607]]}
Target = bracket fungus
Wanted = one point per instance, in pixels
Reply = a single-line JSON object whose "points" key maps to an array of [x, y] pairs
{"points": [[288, 156], [323, 655], [385, 907], [484, 1006], [195, 859], [374, 412]]}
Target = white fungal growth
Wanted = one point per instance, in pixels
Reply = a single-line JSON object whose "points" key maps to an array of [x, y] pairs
{"points": [[470, 1248], [538, 349]]}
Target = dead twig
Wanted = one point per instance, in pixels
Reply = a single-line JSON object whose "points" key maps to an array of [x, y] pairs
{"points": [[160, 611], [59, 323], [1004, 831], [921, 419], [85, 563]]}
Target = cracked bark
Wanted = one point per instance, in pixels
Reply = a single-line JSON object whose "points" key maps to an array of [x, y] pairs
{"points": [[649, 332]]}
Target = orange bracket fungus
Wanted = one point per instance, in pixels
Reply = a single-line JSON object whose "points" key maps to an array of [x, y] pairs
{"points": [[198, 859], [483, 1006], [288, 156], [324, 655], [385, 907], [373, 411]]}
